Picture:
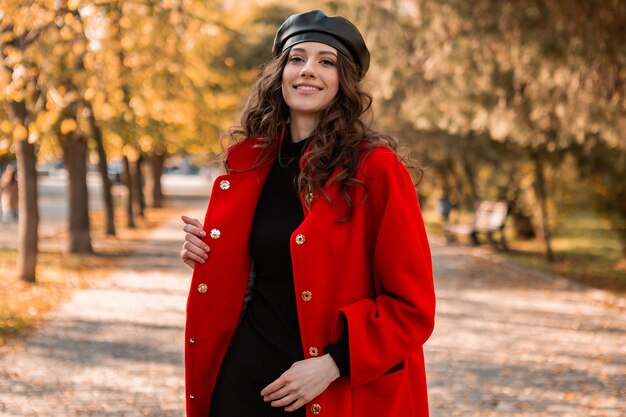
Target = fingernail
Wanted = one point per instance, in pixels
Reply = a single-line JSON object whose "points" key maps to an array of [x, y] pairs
{"points": [[206, 248]]}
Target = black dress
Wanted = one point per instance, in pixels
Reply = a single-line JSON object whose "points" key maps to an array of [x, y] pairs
{"points": [[267, 340]]}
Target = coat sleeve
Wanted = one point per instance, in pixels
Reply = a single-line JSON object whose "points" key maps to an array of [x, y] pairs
{"points": [[384, 330]]}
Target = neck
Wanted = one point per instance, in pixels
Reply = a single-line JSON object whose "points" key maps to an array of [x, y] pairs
{"points": [[301, 126]]}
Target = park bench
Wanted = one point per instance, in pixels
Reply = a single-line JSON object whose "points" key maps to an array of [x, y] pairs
{"points": [[489, 218]]}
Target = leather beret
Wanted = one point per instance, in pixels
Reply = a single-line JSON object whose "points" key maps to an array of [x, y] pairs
{"points": [[315, 26]]}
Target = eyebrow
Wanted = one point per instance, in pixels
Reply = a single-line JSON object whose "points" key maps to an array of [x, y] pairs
{"points": [[320, 52]]}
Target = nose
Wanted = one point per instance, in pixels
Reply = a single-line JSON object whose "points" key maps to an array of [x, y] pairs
{"points": [[308, 69]]}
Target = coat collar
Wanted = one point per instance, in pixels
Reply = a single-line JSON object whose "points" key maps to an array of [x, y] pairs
{"points": [[248, 154]]}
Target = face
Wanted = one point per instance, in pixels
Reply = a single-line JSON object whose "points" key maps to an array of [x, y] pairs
{"points": [[310, 79]]}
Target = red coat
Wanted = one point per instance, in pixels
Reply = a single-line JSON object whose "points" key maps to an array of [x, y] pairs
{"points": [[374, 270]]}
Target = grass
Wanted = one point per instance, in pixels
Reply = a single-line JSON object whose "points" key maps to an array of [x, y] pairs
{"points": [[23, 306], [587, 251]]}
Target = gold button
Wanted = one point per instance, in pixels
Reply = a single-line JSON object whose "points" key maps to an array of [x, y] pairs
{"points": [[192, 397], [313, 351], [300, 239], [224, 184], [215, 233], [316, 408], [306, 295], [192, 341], [202, 288]]}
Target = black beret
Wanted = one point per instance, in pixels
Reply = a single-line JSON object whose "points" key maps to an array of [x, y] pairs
{"points": [[315, 26]]}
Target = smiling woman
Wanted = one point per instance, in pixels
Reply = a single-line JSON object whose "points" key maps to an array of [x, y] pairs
{"points": [[312, 288]]}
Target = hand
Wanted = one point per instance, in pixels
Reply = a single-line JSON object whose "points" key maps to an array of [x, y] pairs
{"points": [[301, 383], [194, 250]]}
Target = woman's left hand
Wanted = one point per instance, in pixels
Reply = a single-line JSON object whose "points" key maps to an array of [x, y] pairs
{"points": [[301, 383]]}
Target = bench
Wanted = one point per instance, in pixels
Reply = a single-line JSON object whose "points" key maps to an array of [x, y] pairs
{"points": [[489, 218]]}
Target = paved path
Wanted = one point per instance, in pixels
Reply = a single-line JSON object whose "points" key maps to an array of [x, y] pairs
{"points": [[507, 343], [112, 350]]}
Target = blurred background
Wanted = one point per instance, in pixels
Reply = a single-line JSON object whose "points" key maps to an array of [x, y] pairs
{"points": [[113, 116], [522, 102]]}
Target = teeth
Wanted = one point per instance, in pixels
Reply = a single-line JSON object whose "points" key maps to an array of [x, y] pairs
{"points": [[306, 87]]}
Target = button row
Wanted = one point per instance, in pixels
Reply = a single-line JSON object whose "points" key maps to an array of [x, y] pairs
{"points": [[203, 288]]}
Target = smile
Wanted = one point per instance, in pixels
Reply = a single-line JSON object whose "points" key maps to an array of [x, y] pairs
{"points": [[307, 88]]}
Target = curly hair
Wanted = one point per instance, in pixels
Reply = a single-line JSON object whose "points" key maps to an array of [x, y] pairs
{"points": [[342, 132]]}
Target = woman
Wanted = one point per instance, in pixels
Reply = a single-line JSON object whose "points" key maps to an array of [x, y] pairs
{"points": [[317, 221]]}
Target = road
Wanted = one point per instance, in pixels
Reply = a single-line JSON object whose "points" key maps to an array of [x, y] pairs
{"points": [[53, 207]]}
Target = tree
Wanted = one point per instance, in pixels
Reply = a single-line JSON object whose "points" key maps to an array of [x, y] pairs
{"points": [[23, 99]]}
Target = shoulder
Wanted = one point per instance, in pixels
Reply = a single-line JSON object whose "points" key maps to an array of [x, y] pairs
{"points": [[244, 154], [379, 162]]}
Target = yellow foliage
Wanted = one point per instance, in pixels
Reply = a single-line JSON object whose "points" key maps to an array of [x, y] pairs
{"points": [[130, 152], [125, 22], [6, 126], [127, 42], [89, 93], [67, 33], [5, 144], [145, 142], [20, 132], [33, 136], [68, 126]]}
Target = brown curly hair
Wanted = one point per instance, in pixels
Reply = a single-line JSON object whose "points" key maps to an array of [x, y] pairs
{"points": [[343, 129]]}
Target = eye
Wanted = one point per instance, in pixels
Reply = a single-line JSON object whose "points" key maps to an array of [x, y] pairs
{"points": [[327, 62], [296, 58]]}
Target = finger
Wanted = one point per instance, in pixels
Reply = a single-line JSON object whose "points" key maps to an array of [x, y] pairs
{"points": [[287, 400], [293, 407], [193, 240], [191, 221], [186, 255], [194, 230], [279, 393], [274, 386], [193, 225], [193, 248], [190, 263]]}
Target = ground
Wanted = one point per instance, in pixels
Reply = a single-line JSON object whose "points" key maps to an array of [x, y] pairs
{"points": [[507, 342]]}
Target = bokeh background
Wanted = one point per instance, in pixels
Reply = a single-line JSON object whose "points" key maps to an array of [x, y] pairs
{"points": [[115, 105]]}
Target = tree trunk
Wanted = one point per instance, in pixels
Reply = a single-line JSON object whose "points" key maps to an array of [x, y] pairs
{"points": [[470, 176], [107, 196], [137, 185], [126, 180], [75, 158], [456, 185], [28, 206], [542, 206], [154, 192], [28, 217]]}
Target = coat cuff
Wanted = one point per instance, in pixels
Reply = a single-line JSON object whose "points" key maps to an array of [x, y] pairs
{"points": [[340, 352]]}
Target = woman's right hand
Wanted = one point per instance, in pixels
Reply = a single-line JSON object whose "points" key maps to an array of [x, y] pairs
{"points": [[194, 250]]}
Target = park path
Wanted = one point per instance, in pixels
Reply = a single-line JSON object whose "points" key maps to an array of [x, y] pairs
{"points": [[514, 342], [114, 349], [508, 342]]}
